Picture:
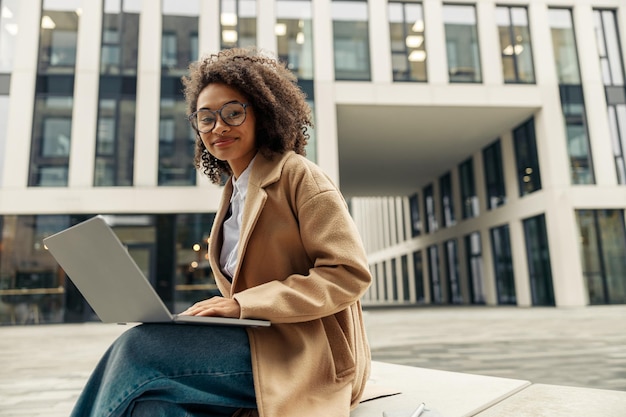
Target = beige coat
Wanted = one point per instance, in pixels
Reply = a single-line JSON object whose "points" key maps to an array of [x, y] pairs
{"points": [[301, 265]]}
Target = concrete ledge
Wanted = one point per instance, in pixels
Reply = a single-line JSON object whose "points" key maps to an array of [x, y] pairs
{"points": [[541, 400], [452, 394]]}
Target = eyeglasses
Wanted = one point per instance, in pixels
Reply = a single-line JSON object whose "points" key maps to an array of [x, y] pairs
{"points": [[232, 113]]}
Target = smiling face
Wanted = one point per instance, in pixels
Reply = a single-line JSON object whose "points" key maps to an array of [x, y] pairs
{"points": [[233, 144]]}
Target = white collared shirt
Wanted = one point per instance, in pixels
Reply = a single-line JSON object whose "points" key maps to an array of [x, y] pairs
{"points": [[232, 225]]}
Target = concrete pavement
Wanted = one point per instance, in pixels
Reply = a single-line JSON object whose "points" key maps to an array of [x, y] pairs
{"points": [[43, 368]]}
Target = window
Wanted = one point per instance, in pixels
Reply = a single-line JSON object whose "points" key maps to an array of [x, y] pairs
{"points": [[503, 264], [418, 267], [115, 137], [564, 46], [351, 40], [406, 289], [429, 209], [408, 51], [607, 39], [179, 48], [238, 23], [462, 43], [469, 199], [436, 292], [538, 255], [447, 202], [578, 148], [494, 175], [603, 254], [52, 118], [294, 35], [452, 265], [517, 61], [473, 248], [528, 175], [416, 221]]}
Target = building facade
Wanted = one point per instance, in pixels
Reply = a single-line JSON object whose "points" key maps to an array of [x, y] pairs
{"points": [[480, 144]]}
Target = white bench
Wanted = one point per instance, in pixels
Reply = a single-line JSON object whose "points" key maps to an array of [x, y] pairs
{"points": [[452, 394]]}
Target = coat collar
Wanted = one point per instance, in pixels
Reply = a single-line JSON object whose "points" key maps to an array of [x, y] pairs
{"points": [[265, 171]]}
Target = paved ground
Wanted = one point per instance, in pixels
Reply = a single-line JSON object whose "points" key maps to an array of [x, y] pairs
{"points": [[42, 368]]}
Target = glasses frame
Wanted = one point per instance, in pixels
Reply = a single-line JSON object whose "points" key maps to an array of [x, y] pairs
{"points": [[193, 115]]}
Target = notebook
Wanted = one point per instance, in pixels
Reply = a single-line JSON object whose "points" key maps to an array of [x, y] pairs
{"points": [[110, 280]]}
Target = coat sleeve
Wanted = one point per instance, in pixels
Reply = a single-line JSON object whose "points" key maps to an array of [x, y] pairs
{"points": [[338, 274]]}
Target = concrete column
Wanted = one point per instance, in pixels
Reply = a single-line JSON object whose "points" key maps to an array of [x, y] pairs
{"points": [[380, 46], [23, 78], [265, 28], [325, 115], [146, 156], [489, 38], [86, 84], [435, 41]]}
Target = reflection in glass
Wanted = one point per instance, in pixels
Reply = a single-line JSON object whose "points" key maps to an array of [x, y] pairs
{"points": [[503, 264], [603, 254], [572, 102], [462, 43], [418, 268], [115, 136], [473, 248], [194, 279], [447, 201], [179, 48], [416, 222], [294, 35], [452, 265], [527, 162], [494, 175], [469, 198], [538, 255], [617, 125], [351, 40], [429, 208], [50, 150], [436, 292], [517, 63], [607, 40], [564, 46], [32, 285], [238, 23], [408, 49]]}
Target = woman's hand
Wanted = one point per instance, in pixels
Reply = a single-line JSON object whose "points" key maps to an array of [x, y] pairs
{"points": [[216, 306]]}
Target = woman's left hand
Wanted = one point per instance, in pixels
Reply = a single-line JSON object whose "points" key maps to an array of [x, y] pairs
{"points": [[216, 306]]}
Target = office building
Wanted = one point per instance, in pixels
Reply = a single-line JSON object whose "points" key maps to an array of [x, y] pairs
{"points": [[480, 144]]}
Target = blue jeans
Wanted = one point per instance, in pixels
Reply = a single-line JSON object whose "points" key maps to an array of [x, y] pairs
{"points": [[172, 370]]}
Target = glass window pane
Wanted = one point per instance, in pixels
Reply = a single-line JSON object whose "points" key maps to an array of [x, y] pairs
{"points": [[538, 255], [526, 159], [515, 44], [294, 33], [408, 53], [462, 43], [475, 268], [503, 265], [447, 200], [564, 46], [436, 292], [351, 40], [9, 14], [238, 23], [494, 175]]}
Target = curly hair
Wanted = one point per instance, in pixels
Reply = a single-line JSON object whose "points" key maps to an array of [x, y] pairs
{"points": [[282, 113]]}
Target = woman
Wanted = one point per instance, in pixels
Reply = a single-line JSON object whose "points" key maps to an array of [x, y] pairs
{"points": [[283, 248]]}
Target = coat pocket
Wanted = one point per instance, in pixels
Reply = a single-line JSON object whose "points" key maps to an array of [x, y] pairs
{"points": [[340, 344]]}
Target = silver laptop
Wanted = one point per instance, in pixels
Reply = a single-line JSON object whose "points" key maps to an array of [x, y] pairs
{"points": [[110, 280]]}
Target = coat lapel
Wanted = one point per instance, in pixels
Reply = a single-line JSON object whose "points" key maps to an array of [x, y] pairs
{"points": [[217, 239], [264, 173]]}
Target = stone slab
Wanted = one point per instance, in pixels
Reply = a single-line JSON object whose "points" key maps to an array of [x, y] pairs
{"points": [[448, 394], [540, 400]]}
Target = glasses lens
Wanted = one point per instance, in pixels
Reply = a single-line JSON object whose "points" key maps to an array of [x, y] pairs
{"points": [[233, 114], [204, 121]]}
